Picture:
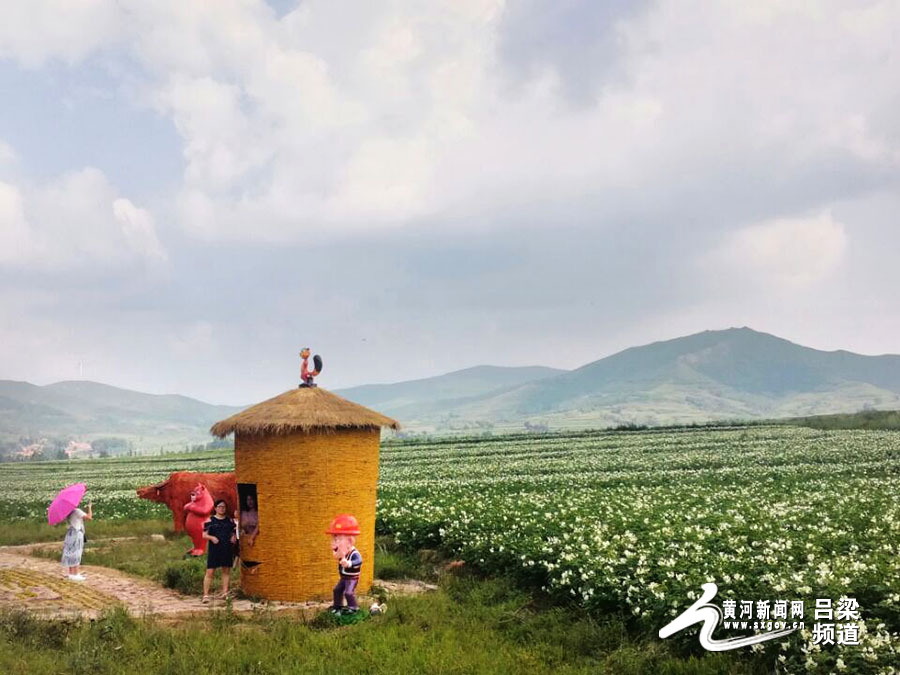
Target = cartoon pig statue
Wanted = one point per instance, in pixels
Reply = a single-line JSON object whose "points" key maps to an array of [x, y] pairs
{"points": [[176, 490], [198, 511]]}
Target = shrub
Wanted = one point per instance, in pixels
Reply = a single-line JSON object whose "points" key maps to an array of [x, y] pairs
{"points": [[185, 576]]}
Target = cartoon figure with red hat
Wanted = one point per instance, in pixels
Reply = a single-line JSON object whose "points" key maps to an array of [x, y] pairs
{"points": [[343, 531]]}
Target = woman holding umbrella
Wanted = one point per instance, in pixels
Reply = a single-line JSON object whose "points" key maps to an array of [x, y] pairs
{"points": [[65, 508], [74, 543]]}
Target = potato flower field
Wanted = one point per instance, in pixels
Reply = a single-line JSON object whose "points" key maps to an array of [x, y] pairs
{"points": [[26, 488], [631, 522], [637, 521]]}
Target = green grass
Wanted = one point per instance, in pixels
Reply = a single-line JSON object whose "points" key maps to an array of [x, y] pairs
{"points": [[470, 625], [396, 562], [30, 532], [163, 561], [533, 506], [866, 419]]}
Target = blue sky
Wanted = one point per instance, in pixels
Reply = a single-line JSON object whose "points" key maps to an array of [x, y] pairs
{"points": [[191, 191]]}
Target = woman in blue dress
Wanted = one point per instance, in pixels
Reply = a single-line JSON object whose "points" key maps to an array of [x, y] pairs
{"points": [[220, 531]]}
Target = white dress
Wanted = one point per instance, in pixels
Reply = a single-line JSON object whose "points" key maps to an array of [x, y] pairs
{"points": [[73, 546]]}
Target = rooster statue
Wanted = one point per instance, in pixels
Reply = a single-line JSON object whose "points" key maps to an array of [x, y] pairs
{"points": [[307, 375]]}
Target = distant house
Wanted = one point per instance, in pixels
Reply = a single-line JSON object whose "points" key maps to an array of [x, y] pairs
{"points": [[30, 451], [77, 449]]}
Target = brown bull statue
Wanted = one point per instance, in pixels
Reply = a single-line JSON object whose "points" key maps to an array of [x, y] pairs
{"points": [[175, 492]]}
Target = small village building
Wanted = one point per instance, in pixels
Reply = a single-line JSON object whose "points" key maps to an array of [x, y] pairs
{"points": [[304, 457]]}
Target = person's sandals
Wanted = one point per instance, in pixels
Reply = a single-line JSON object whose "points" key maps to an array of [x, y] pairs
{"points": [[205, 600]]}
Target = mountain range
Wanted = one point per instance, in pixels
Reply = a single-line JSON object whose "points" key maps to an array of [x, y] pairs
{"points": [[736, 373], [89, 410]]}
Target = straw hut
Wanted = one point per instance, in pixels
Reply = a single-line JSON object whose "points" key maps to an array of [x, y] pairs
{"points": [[305, 456]]}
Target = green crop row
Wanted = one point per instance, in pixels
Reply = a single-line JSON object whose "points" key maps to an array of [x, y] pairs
{"points": [[632, 522]]}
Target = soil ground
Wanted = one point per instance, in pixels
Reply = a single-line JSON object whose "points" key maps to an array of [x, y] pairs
{"points": [[40, 586]]}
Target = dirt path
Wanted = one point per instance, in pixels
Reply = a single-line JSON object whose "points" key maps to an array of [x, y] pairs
{"points": [[39, 585]]}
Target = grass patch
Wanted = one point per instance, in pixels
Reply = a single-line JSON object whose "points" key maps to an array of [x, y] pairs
{"points": [[186, 576], [468, 626], [164, 562], [866, 419], [394, 562], [19, 532], [161, 561], [471, 624]]}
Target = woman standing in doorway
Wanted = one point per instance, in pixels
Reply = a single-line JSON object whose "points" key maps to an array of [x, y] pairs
{"points": [[249, 520]]}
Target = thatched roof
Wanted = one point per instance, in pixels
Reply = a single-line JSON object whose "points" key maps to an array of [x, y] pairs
{"points": [[302, 409]]}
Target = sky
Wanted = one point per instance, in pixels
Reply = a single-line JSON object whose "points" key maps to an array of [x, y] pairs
{"points": [[192, 191]]}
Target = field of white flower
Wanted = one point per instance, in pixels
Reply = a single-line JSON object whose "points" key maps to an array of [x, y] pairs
{"points": [[26, 488], [637, 521], [627, 522]]}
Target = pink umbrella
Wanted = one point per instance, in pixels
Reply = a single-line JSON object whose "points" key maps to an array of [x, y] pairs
{"points": [[66, 501]]}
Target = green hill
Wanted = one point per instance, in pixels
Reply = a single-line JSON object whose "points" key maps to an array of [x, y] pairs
{"points": [[866, 419], [737, 373], [734, 374], [86, 410], [414, 397]]}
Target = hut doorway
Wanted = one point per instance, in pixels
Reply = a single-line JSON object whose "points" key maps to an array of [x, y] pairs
{"points": [[248, 521]]}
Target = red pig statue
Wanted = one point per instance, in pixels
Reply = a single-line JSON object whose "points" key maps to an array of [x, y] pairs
{"points": [[175, 492], [198, 511]]}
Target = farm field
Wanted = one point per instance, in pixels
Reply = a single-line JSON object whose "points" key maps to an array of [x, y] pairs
{"points": [[27, 486], [626, 523]]}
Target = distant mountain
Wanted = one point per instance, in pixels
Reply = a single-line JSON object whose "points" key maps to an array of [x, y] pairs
{"points": [[415, 397], [735, 374], [727, 374], [88, 409]]}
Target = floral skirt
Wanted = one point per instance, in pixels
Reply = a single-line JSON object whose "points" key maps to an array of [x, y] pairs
{"points": [[73, 548]]}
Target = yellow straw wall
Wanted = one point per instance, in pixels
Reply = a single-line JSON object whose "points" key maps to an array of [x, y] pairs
{"points": [[303, 480]]}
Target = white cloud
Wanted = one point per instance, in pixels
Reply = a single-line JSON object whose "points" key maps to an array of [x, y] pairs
{"points": [[729, 128], [410, 118], [221, 145], [138, 230], [7, 154], [785, 253], [35, 32], [77, 220], [15, 237], [334, 119]]}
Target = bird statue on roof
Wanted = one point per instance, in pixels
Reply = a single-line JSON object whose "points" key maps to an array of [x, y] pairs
{"points": [[307, 375]]}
